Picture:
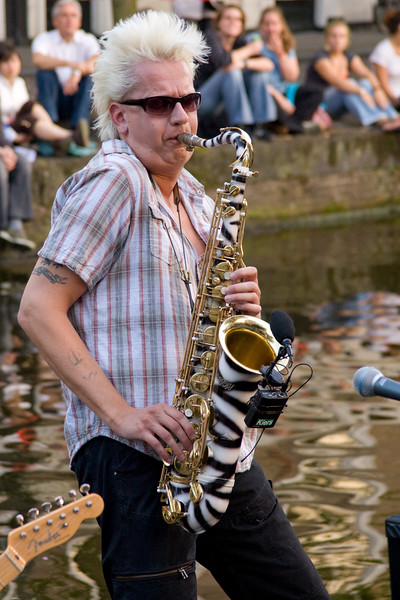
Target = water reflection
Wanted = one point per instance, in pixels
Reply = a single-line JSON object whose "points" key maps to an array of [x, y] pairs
{"points": [[338, 493], [331, 454]]}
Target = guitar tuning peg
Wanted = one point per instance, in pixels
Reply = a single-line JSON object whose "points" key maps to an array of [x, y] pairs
{"points": [[84, 489], [20, 519], [46, 507], [59, 501], [72, 494], [33, 513]]}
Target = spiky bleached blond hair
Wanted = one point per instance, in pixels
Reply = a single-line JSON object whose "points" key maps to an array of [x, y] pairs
{"points": [[146, 36]]}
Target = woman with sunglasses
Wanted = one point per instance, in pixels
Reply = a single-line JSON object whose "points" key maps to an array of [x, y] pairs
{"points": [[108, 308]]}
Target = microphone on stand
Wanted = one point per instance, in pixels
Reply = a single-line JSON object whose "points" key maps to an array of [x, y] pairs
{"points": [[369, 381]]}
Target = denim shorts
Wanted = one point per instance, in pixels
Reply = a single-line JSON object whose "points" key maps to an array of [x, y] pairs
{"points": [[252, 552]]}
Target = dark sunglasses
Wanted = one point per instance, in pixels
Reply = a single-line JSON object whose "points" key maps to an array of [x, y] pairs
{"points": [[164, 105]]}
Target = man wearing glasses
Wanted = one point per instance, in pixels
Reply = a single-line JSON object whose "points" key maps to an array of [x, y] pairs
{"points": [[108, 310]]}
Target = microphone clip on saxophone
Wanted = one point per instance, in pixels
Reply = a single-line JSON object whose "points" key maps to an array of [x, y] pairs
{"points": [[270, 398], [267, 404]]}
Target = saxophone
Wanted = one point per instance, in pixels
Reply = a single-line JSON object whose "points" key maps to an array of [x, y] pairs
{"points": [[212, 390]]}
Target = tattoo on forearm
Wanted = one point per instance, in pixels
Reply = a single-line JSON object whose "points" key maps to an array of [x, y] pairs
{"points": [[52, 277], [74, 358], [90, 376]]}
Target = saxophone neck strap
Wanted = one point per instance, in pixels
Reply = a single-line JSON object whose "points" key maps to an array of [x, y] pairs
{"points": [[184, 271]]}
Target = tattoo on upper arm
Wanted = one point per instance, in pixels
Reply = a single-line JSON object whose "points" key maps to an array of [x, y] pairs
{"points": [[52, 277]]}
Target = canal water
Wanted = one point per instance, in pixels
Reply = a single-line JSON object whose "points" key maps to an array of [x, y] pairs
{"points": [[333, 455]]}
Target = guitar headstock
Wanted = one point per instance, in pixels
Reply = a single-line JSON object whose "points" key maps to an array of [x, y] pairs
{"points": [[53, 528]]}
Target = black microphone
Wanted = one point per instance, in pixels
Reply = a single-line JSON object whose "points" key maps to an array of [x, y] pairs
{"points": [[369, 381], [282, 328]]}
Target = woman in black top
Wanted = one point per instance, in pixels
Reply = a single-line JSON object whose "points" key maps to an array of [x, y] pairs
{"points": [[332, 68]]}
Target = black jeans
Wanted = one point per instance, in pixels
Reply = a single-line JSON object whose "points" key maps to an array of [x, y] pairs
{"points": [[253, 552]]}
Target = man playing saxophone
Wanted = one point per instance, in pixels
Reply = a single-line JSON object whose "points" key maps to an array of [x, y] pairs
{"points": [[108, 306]]}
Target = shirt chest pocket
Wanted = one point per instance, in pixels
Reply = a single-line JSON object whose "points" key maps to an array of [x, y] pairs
{"points": [[163, 245]]}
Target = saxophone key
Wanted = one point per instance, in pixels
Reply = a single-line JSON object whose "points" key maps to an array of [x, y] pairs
{"points": [[228, 251], [234, 190], [198, 456], [196, 492], [218, 292], [222, 269], [200, 382], [184, 467], [194, 403], [214, 314], [209, 334], [197, 430], [207, 359], [228, 211], [173, 513]]}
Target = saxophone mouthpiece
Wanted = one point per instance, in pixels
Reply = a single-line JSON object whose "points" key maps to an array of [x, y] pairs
{"points": [[190, 140]]}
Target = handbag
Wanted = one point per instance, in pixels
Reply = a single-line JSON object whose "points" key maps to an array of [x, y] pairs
{"points": [[24, 120]]}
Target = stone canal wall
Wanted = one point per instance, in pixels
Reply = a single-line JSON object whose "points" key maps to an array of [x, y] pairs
{"points": [[303, 180]]}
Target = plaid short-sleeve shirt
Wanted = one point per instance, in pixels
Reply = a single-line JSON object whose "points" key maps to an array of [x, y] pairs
{"points": [[110, 228]]}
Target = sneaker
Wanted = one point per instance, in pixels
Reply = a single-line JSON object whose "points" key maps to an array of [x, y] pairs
{"points": [[322, 118], [75, 150], [311, 127], [261, 133], [5, 236], [45, 148], [18, 238], [61, 147], [81, 135]]}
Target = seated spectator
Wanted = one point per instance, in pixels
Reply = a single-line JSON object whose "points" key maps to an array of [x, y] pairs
{"points": [[268, 87], [198, 11], [363, 96], [15, 197], [221, 79], [25, 119], [385, 58], [65, 57]]}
